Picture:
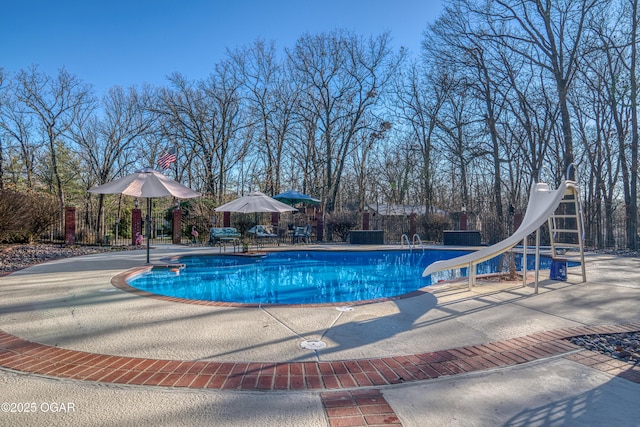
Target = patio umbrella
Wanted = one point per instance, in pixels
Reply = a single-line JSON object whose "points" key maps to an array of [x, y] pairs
{"points": [[255, 202], [147, 183], [292, 197]]}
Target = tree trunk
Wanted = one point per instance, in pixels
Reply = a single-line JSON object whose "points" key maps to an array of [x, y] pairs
{"points": [[632, 227], [56, 174]]}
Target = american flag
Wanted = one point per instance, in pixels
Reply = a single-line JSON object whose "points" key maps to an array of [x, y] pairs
{"points": [[167, 158]]}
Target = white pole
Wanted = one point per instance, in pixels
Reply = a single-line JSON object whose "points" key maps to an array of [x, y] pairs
{"points": [[537, 257], [524, 262]]}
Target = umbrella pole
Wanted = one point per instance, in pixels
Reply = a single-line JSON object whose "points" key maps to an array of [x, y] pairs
{"points": [[148, 227]]}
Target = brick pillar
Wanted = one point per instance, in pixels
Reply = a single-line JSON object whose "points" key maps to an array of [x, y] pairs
{"points": [[177, 226], [226, 219], [365, 220], [319, 226], [412, 225], [70, 225], [463, 220], [136, 224]]}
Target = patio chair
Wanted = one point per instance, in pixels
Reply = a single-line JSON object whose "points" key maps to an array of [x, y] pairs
{"points": [[302, 234]]}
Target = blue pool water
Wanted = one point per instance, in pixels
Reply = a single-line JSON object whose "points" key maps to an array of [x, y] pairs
{"points": [[305, 277]]}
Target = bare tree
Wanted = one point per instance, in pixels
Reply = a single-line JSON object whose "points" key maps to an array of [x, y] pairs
{"points": [[2, 90], [306, 162], [57, 103], [343, 78], [455, 42], [617, 48], [533, 114], [270, 99], [108, 144], [204, 118], [455, 125], [632, 226], [421, 93], [18, 135], [549, 34], [366, 177], [600, 156]]}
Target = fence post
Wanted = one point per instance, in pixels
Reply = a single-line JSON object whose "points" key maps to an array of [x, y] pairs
{"points": [[177, 226], [136, 224], [70, 225]]}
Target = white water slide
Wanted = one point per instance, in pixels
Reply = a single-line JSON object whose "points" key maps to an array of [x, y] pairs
{"points": [[543, 202]]}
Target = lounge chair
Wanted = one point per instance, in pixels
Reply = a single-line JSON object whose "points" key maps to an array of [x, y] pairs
{"points": [[221, 235], [262, 234]]}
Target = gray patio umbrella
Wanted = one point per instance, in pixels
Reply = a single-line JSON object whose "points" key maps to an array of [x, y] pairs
{"points": [[147, 183], [292, 197], [255, 202]]}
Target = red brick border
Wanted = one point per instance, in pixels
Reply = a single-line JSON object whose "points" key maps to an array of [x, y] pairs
{"points": [[21, 355], [604, 363]]}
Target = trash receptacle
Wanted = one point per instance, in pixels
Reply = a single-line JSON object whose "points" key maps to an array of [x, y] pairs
{"points": [[558, 270]]}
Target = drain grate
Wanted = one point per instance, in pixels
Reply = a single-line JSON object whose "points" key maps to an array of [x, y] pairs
{"points": [[108, 290], [344, 308], [313, 344]]}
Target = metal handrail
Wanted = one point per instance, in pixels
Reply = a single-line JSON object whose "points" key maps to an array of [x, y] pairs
{"points": [[402, 239], [416, 237]]}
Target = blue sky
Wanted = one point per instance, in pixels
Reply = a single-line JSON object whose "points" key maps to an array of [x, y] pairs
{"points": [[131, 42]]}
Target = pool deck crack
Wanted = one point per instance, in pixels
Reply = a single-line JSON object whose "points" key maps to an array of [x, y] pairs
{"points": [[281, 322]]}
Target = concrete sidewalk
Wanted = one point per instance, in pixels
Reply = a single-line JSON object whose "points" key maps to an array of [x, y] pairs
{"points": [[71, 304]]}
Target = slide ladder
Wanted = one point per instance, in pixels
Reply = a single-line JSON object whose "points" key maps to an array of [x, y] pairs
{"points": [[566, 228]]}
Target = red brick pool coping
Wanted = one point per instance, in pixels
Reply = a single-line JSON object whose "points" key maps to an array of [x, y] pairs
{"points": [[21, 355]]}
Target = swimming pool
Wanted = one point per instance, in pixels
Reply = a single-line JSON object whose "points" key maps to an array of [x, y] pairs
{"points": [[304, 277]]}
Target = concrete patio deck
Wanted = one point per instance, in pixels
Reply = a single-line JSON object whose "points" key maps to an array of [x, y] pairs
{"points": [[496, 355]]}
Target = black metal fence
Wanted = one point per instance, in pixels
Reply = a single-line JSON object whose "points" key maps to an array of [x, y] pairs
{"points": [[115, 228]]}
